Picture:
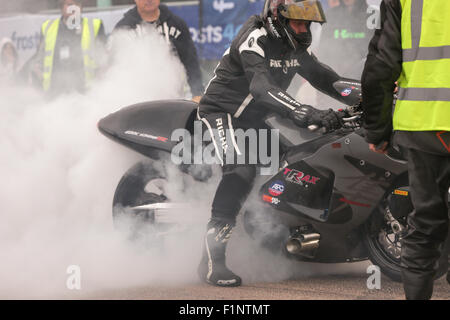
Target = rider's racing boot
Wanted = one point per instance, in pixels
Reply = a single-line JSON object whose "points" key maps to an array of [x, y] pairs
{"points": [[212, 268]]}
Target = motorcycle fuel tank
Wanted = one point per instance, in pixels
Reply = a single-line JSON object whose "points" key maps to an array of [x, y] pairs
{"points": [[147, 127]]}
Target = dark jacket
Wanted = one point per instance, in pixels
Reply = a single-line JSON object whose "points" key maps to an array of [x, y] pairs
{"points": [[179, 37], [383, 67], [254, 74]]}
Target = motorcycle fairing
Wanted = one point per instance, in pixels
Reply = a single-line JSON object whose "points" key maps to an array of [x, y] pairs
{"points": [[304, 190], [350, 90], [147, 127], [353, 177], [361, 177]]}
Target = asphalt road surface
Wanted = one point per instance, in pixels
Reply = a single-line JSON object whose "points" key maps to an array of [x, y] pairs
{"points": [[344, 285], [266, 277]]}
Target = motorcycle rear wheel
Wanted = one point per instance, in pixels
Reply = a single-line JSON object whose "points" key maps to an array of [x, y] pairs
{"points": [[132, 191]]}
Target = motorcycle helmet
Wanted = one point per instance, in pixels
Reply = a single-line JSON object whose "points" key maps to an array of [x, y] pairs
{"points": [[277, 13]]}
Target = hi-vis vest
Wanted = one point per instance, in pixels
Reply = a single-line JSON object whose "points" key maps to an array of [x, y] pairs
{"points": [[424, 85], [90, 29]]}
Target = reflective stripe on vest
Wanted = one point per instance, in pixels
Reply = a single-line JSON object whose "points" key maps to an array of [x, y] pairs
{"points": [[50, 32], [88, 47], [424, 85]]}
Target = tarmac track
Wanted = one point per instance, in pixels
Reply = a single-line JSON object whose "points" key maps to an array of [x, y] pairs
{"points": [[344, 286], [309, 281]]}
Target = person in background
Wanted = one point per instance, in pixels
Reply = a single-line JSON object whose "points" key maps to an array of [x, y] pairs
{"points": [[411, 49], [70, 51], [9, 61], [345, 37], [174, 30], [330, 3]]}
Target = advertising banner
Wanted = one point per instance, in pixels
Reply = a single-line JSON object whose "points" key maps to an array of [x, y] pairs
{"points": [[213, 24], [220, 22], [24, 29]]}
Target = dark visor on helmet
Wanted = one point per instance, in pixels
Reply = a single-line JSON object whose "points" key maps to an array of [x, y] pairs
{"points": [[309, 10]]}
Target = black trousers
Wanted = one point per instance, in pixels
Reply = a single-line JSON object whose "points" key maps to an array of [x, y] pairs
{"points": [[428, 224], [238, 176]]}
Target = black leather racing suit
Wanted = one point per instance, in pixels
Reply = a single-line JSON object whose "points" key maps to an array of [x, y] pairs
{"points": [[251, 81]]}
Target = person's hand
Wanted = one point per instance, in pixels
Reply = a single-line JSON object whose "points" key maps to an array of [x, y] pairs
{"points": [[379, 148], [307, 115], [196, 99], [328, 120]]}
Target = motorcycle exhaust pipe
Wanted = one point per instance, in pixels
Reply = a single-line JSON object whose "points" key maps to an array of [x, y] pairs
{"points": [[302, 244]]}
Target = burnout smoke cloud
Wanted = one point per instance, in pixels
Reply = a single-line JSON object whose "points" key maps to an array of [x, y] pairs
{"points": [[59, 176]]}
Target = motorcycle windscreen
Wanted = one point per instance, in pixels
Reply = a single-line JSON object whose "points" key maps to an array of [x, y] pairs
{"points": [[290, 135], [148, 126]]}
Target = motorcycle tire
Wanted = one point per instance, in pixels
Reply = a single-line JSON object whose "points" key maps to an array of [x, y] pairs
{"points": [[387, 260], [131, 192]]}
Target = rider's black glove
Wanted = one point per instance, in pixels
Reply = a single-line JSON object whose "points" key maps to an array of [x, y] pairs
{"points": [[327, 119], [301, 115]]}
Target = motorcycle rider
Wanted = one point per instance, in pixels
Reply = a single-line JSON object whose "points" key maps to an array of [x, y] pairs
{"points": [[251, 81]]}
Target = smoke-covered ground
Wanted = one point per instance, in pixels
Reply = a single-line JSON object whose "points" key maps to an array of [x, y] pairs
{"points": [[59, 175]]}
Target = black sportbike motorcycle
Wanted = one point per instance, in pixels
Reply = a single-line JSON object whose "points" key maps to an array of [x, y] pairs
{"points": [[332, 200]]}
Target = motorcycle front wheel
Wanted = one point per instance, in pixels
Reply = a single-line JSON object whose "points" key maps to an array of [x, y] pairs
{"points": [[383, 245]]}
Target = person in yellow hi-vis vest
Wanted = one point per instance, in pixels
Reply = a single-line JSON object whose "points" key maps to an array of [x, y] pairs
{"points": [[70, 49], [412, 48]]}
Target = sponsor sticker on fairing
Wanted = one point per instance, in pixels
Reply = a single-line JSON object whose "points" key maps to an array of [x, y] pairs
{"points": [[299, 177], [276, 188], [346, 92], [145, 135], [270, 199]]}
